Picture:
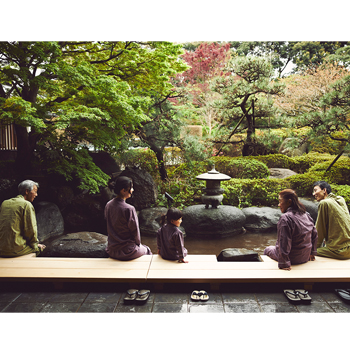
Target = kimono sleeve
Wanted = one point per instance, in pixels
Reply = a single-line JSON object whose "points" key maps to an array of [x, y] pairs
{"points": [[177, 239], [285, 242], [322, 223], [30, 231], [133, 225]]}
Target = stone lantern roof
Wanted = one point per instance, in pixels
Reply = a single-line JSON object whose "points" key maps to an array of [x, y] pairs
{"points": [[213, 175]]}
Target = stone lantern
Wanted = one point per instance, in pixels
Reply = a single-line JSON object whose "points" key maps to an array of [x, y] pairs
{"points": [[213, 192]]}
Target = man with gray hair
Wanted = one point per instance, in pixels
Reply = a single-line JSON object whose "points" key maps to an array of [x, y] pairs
{"points": [[18, 228]]}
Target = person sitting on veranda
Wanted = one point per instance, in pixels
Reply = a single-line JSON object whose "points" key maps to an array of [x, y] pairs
{"points": [[18, 227], [296, 233], [332, 224]]}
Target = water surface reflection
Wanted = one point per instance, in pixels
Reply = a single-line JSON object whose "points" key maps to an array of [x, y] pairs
{"points": [[254, 241]]}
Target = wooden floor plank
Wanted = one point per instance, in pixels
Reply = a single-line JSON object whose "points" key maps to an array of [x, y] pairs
{"points": [[152, 268]]}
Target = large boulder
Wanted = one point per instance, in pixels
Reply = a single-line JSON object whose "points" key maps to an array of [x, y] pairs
{"points": [[145, 194], [150, 220], [238, 254], [281, 173], [293, 151], [213, 223], [105, 162], [78, 245], [49, 220], [85, 213], [311, 207], [263, 219]]}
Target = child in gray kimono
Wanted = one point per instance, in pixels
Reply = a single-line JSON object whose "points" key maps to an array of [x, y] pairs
{"points": [[170, 240]]}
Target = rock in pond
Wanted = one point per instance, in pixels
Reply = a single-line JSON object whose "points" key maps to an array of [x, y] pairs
{"points": [[261, 219], [49, 220], [78, 245], [224, 221], [238, 254]]}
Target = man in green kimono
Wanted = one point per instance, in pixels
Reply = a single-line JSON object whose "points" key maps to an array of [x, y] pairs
{"points": [[332, 224], [18, 228]]}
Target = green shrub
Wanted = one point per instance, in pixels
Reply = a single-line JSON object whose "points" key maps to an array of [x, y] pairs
{"points": [[342, 190], [142, 158], [302, 184], [327, 145], [339, 173], [274, 160], [241, 168], [244, 193], [302, 164]]}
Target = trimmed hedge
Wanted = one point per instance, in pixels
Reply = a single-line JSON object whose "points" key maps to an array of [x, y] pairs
{"points": [[241, 168], [339, 172], [244, 193]]}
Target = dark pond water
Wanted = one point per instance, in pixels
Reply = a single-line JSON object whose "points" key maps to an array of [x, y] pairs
{"points": [[254, 241]]}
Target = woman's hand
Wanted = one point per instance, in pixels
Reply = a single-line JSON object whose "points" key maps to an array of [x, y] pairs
{"points": [[182, 261], [286, 268], [312, 257]]}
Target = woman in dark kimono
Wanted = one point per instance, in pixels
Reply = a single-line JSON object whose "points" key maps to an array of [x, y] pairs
{"points": [[124, 240], [296, 233]]}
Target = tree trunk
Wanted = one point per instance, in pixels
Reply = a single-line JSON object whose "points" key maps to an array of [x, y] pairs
{"points": [[24, 156], [248, 147], [160, 157]]}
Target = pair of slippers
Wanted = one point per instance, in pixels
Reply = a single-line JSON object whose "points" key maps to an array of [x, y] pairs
{"points": [[137, 296], [199, 295], [297, 296], [344, 294]]}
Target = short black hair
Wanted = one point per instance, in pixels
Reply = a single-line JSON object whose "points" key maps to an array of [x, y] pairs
{"points": [[122, 182], [323, 185], [172, 214]]}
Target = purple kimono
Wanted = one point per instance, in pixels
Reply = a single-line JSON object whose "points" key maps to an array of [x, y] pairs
{"points": [[296, 239], [124, 240], [170, 243]]}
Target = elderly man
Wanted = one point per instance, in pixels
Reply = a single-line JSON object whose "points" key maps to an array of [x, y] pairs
{"points": [[332, 224], [18, 228]]}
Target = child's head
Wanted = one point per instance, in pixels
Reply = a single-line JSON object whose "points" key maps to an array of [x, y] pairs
{"points": [[173, 216]]}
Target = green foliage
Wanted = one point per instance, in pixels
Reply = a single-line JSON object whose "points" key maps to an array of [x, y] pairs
{"points": [[257, 192], [79, 164], [70, 93], [339, 173], [142, 158], [327, 145], [241, 168], [342, 190], [302, 183], [274, 160], [303, 163]]}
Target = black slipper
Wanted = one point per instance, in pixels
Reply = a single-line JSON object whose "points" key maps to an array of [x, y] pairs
{"points": [[292, 296], [195, 296], [344, 295], [304, 296], [131, 295], [142, 296], [203, 295]]}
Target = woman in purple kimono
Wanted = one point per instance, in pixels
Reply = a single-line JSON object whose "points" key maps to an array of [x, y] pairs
{"points": [[296, 233], [124, 240]]}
